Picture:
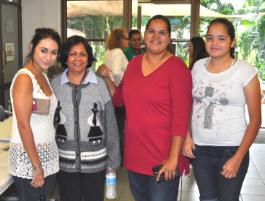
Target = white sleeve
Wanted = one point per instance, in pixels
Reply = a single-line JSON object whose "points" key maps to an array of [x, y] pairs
{"points": [[247, 72], [118, 65]]}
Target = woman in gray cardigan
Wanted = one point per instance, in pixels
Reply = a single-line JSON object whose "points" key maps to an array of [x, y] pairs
{"points": [[86, 128]]}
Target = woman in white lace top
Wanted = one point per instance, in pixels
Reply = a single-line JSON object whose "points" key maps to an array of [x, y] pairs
{"points": [[33, 154]]}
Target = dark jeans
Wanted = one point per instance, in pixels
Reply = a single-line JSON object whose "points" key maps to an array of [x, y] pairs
{"points": [[81, 186], [145, 188], [28, 193], [207, 166]]}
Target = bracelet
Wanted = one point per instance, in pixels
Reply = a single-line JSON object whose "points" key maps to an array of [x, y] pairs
{"points": [[37, 169]]}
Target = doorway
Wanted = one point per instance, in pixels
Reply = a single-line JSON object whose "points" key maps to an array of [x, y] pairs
{"points": [[10, 45]]}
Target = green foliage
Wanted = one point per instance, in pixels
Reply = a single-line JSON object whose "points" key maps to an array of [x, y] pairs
{"points": [[252, 45], [216, 5], [251, 41], [250, 35], [95, 27]]}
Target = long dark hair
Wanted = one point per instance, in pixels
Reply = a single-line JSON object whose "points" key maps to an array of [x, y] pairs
{"points": [[198, 50], [42, 33]]}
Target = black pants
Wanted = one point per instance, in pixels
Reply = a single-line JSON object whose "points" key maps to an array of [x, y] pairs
{"points": [[81, 186], [120, 116], [28, 193]]}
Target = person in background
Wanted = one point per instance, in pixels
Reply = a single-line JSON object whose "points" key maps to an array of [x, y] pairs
{"points": [[220, 136], [86, 128], [33, 154], [135, 45], [114, 57], [116, 63], [156, 91], [196, 48]]}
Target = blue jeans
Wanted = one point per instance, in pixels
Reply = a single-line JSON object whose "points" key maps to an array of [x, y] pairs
{"points": [[145, 188], [207, 166]]}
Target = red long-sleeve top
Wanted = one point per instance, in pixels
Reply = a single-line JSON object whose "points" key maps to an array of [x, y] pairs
{"points": [[158, 107]]}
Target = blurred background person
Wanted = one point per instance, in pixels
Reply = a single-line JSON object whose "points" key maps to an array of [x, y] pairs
{"points": [[196, 49], [116, 63], [33, 154], [86, 133], [135, 45], [114, 57]]}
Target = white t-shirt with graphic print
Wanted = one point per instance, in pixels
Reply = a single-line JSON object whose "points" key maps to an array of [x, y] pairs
{"points": [[218, 113]]}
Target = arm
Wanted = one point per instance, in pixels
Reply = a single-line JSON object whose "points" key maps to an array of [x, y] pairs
{"points": [[22, 95], [252, 94], [180, 90], [105, 72], [188, 145], [115, 92], [170, 164], [111, 86], [118, 65]]}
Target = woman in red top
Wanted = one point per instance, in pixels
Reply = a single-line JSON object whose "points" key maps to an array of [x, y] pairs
{"points": [[156, 92]]}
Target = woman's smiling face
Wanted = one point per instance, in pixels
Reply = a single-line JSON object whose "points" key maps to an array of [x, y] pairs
{"points": [[218, 43], [157, 37]]}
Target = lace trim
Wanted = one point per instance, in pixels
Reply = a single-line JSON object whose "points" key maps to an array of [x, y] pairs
{"points": [[20, 165]]}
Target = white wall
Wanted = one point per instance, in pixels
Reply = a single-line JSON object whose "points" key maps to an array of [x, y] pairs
{"points": [[39, 13]]}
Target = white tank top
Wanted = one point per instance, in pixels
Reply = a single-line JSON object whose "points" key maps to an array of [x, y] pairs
{"points": [[43, 133]]}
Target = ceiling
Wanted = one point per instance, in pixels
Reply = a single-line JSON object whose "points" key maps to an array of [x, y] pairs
{"points": [[115, 8]]}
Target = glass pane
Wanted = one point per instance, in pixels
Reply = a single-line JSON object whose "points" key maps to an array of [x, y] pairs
{"points": [[181, 50], [98, 51], [134, 13], [94, 20], [248, 18], [178, 14]]}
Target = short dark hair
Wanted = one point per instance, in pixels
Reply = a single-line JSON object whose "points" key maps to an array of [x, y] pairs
{"points": [[160, 17], [69, 43], [230, 30], [42, 33], [132, 32]]}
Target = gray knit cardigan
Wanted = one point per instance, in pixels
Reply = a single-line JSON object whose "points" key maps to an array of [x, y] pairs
{"points": [[83, 145]]}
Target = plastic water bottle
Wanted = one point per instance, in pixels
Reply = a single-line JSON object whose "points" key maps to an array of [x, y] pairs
{"points": [[111, 182]]}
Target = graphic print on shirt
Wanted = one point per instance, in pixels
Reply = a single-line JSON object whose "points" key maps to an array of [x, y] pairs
{"points": [[208, 97], [95, 134], [58, 123]]}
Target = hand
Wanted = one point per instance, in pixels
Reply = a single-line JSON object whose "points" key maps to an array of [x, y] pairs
{"points": [[38, 178], [169, 169], [103, 71], [188, 147], [230, 168]]}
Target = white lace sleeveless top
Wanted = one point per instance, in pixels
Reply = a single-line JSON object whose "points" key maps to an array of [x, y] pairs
{"points": [[43, 133]]}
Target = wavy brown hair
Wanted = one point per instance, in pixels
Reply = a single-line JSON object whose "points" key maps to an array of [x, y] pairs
{"points": [[114, 38]]}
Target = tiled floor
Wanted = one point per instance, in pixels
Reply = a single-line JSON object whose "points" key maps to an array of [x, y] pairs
{"points": [[253, 187]]}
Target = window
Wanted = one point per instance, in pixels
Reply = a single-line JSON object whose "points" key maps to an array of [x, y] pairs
{"points": [[248, 18], [94, 20]]}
